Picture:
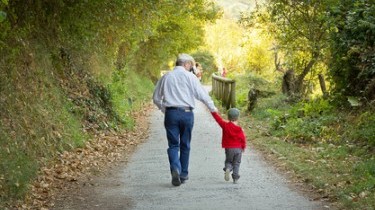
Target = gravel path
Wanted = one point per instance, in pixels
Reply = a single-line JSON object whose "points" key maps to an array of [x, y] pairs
{"points": [[148, 185], [144, 182]]}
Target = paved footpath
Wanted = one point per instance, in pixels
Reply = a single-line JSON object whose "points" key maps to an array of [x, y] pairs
{"points": [[147, 181]]}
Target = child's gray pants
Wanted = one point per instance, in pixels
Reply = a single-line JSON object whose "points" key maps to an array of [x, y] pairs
{"points": [[233, 160]]}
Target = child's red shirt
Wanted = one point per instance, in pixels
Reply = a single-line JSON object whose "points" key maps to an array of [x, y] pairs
{"points": [[233, 135]]}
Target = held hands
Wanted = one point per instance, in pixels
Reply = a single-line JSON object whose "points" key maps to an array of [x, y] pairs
{"points": [[216, 110]]}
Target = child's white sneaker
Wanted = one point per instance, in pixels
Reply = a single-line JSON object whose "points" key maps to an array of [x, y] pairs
{"points": [[227, 174]]}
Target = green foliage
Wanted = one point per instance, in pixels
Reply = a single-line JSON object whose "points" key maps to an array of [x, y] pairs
{"points": [[352, 67], [259, 45], [32, 131], [58, 81], [178, 29], [305, 121], [300, 32], [16, 171], [241, 99], [363, 130], [344, 172], [3, 15], [249, 81], [319, 121], [303, 130], [278, 117], [207, 61], [315, 108], [243, 84], [259, 57], [336, 153], [323, 36], [129, 92]]}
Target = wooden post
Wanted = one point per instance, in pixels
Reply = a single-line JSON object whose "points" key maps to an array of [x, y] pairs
{"points": [[213, 91], [233, 94], [225, 100], [224, 90]]}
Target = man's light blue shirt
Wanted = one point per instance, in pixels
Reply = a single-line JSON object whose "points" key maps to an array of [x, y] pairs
{"points": [[179, 88]]}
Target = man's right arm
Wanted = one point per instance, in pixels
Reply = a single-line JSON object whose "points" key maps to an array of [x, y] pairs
{"points": [[202, 95]]}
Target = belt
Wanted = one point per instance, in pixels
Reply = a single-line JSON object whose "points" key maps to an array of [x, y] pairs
{"points": [[185, 109]]}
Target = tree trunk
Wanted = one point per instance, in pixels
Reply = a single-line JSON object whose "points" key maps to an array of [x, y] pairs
{"points": [[323, 85], [306, 70], [252, 98], [288, 86], [277, 62]]}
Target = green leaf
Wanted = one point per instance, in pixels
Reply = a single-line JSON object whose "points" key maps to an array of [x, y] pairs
{"points": [[354, 101], [3, 15]]}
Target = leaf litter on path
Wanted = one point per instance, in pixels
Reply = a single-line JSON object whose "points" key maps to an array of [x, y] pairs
{"points": [[99, 153]]}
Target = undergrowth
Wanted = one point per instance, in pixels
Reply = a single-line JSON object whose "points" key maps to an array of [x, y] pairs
{"points": [[130, 91], [328, 147], [50, 104], [35, 124]]}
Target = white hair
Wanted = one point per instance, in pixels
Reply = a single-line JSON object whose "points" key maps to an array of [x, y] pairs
{"points": [[183, 58]]}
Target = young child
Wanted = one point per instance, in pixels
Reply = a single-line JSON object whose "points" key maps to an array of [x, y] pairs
{"points": [[233, 141]]}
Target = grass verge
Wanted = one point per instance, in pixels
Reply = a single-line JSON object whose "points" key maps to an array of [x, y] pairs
{"points": [[342, 172]]}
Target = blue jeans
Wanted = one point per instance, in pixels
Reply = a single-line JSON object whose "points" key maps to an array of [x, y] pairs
{"points": [[178, 124]]}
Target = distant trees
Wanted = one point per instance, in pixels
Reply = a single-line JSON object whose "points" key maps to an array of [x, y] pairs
{"points": [[332, 38], [300, 35], [352, 67], [136, 34], [223, 40]]}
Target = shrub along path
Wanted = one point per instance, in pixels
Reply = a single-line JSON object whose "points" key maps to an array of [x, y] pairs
{"points": [[145, 183]]}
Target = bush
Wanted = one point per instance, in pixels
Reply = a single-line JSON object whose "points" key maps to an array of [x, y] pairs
{"points": [[129, 94], [353, 61], [363, 129], [305, 121], [315, 108], [245, 83]]}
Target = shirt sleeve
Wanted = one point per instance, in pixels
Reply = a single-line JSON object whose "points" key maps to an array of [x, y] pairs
{"points": [[201, 94], [158, 96]]}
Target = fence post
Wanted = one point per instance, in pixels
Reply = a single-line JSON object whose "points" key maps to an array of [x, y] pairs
{"points": [[233, 94], [224, 89], [225, 95]]}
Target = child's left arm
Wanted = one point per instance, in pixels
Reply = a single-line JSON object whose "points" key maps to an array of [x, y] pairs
{"points": [[218, 119]]}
